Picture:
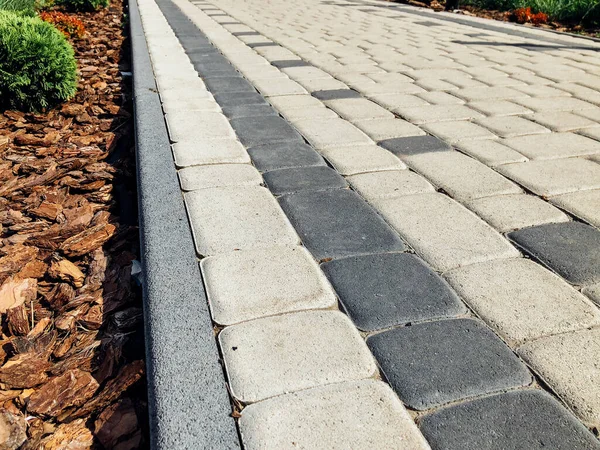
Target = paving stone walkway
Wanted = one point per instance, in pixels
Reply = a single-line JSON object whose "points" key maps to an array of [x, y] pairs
{"points": [[396, 215]]}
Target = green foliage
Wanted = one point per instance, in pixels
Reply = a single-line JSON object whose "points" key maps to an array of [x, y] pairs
{"points": [[572, 11], [37, 64], [83, 5], [22, 7]]}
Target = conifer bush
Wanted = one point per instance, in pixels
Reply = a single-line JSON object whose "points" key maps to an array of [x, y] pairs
{"points": [[37, 64]]}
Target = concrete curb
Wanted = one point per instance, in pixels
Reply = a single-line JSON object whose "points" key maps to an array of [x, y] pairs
{"points": [[189, 406]]}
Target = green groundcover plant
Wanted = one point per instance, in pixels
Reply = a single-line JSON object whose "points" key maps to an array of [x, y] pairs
{"points": [[83, 5], [37, 64]]}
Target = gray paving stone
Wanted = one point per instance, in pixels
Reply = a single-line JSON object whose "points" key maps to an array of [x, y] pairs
{"points": [[238, 111], [384, 290], [253, 131], [435, 363], [593, 292], [360, 415], [223, 85], [336, 94], [285, 63], [338, 223], [571, 249], [408, 146], [239, 98], [519, 420], [218, 175], [335, 132], [553, 145], [582, 204], [288, 181], [282, 354], [284, 155], [489, 152]]}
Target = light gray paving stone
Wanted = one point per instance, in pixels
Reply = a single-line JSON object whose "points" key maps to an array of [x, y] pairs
{"points": [[490, 152], [211, 151], [541, 90], [541, 104], [381, 129], [437, 113], [582, 204], [353, 109], [593, 292], [400, 100], [499, 108], [461, 176], [562, 121], [522, 300], [458, 131], [512, 212], [568, 363], [509, 126], [288, 102], [591, 132], [218, 175], [278, 86], [362, 415], [324, 133], [488, 93], [281, 354], [553, 145], [246, 285], [231, 218], [389, 184], [190, 126], [361, 158], [443, 232], [554, 177], [441, 98], [312, 112], [321, 84]]}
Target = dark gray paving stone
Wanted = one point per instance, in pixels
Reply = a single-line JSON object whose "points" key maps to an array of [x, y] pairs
{"points": [[285, 63], [253, 131], [208, 59], [240, 98], [263, 44], [246, 33], [228, 84], [384, 290], [336, 94], [435, 363], [284, 155], [428, 23], [571, 249], [519, 420], [303, 179], [414, 145], [338, 223], [230, 23], [237, 111]]}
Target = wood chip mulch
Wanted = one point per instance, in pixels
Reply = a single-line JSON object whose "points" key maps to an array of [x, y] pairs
{"points": [[71, 343]]}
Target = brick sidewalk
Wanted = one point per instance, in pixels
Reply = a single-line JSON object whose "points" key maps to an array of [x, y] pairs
{"points": [[436, 182]]}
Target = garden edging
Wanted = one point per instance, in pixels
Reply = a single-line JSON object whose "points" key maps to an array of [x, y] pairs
{"points": [[188, 402]]}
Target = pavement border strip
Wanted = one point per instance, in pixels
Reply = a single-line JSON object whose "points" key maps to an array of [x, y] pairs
{"points": [[467, 397], [188, 402]]}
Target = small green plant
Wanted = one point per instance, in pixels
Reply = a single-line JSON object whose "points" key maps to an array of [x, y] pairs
{"points": [[37, 64], [83, 5]]}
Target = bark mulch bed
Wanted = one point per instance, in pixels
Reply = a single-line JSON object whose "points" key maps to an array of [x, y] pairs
{"points": [[71, 344]]}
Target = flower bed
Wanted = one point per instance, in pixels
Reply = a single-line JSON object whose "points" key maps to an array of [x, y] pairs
{"points": [[71, 350]]}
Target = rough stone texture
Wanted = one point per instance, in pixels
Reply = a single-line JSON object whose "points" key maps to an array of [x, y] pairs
{"points": [[254, 131], [443, 232], [521, 300], [555, 177], [593, 292], [526, 419], [355, 159], [284, 155], [287, 181], [338, 223], [553, 145], [512, 212], [246, 285], [571, 249], [231, 218], [583, 204], [389, 184], [383, 290], [362, 414], [282, 354], [568, 363], [211, 151], [324, 133], [218, 175], [461, 176], [435, 363]]}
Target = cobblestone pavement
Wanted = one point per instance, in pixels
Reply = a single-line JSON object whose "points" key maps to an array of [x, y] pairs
{"points": [[396, 218]]}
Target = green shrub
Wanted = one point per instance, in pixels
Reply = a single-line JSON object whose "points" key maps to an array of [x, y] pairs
{"points": [[83, 5], [37, 64], [16, 5]]}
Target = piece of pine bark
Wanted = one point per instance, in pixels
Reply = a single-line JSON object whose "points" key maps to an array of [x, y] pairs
{"points": [[14, 293], [24, 370], [12, 430]]}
